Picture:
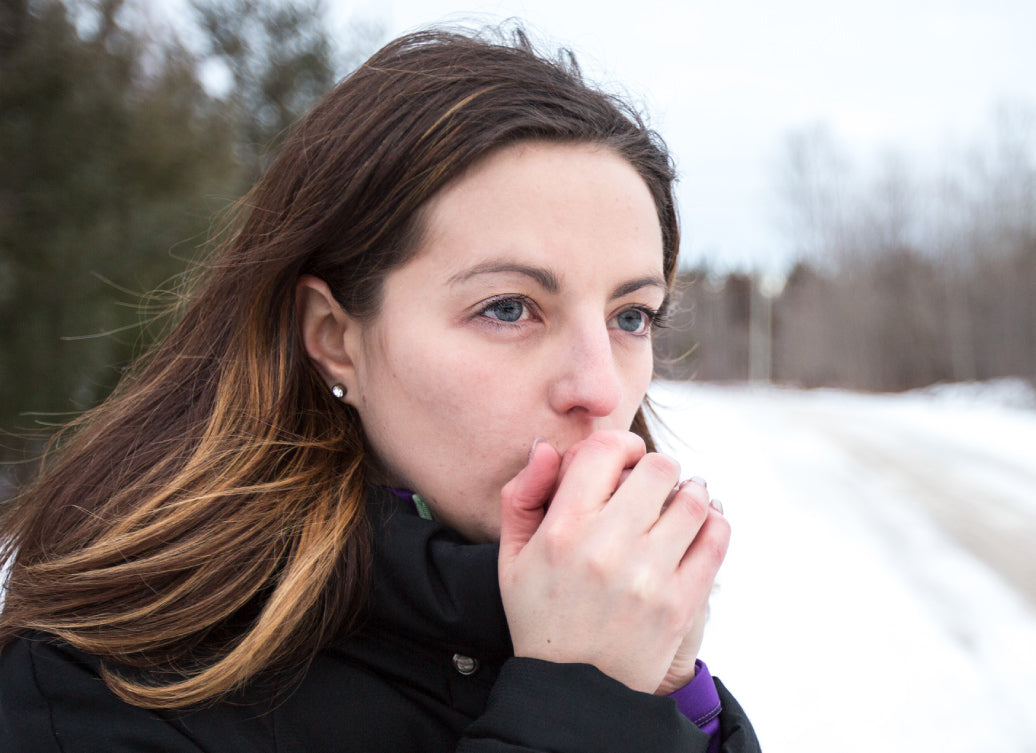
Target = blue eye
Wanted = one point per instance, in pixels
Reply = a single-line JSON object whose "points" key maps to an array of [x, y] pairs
{"points": [[508, 310], [633, 320]]}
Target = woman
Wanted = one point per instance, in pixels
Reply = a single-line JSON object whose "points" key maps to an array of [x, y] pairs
{"points": [[431, 333]]}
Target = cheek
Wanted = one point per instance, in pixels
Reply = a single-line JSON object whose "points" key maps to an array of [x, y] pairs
{"points": [[637, 376], [445, 403], [644, 367], [485, 413]]}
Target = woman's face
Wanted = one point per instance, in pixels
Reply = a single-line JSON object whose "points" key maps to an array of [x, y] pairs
{"points": [[526, 313]]}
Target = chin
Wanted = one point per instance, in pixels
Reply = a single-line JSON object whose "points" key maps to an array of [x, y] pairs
{"points": [[486, 534], [483, 531]]}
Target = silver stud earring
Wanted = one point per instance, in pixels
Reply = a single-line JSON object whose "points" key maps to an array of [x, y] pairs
{"points": [[338, 390]]}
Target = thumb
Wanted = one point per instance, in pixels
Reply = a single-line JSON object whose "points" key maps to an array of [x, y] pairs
{"points": [[524, 498]]}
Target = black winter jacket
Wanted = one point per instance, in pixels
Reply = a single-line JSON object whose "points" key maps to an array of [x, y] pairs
{"points": [[430, 670]]}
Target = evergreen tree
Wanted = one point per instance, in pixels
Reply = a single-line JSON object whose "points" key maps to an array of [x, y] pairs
{"points": [[114, 161]]}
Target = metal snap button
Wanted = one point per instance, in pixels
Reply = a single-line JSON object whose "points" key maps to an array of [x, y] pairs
{"points": [[465, 665]]}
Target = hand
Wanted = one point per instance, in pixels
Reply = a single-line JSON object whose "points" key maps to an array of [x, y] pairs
{"points": [[682, 667], [591, 572]]}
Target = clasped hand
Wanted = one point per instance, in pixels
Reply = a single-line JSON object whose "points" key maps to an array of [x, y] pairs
{"points": [[606, 559]]}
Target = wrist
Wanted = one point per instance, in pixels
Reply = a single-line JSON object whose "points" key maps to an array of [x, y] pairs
{"points": [[698, 700], [677, 676]]}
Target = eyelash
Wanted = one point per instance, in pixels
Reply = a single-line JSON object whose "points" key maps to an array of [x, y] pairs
{"points": [[656, 318], [526, 303]]}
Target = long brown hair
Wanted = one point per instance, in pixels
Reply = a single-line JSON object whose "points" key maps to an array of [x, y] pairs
{"points": [[207, 523]]}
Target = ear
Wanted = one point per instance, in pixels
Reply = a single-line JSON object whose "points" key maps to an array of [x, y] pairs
{"points": [[329, 334]]}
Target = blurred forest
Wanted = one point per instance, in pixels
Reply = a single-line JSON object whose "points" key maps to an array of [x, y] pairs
{"points": [[122, 139], [905, 277]]}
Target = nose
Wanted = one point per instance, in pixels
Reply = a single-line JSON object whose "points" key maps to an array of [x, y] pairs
{"points": [[587, 380]]}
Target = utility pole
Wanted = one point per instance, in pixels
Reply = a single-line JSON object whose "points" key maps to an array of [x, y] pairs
{"points": [[763, 289]]}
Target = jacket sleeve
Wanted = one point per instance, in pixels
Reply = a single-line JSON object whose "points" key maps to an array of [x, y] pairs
{"points": [[52, 700], [736, 732], [540, 706]]}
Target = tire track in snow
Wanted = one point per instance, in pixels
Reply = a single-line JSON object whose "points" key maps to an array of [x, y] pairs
{"points": [[953, 481]]}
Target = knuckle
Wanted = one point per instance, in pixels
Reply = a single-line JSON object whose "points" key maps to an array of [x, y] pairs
{"points": [[611, 441], [717, 552], [509, 490], [716, 539], [696, 505], [635, 441], [645, 585], [600, 564], [661, 464], [604, 441], [674, 612], [557, 540], [696, 492], [721, 526], [604, 561]]}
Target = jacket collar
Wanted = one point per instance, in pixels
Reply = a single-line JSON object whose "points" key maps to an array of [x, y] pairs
{"points": [[432, 585]]}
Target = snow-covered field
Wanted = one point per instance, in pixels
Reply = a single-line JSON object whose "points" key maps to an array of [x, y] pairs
{"points": [[880, 589]]}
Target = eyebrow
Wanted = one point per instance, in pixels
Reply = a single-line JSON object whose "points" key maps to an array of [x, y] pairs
{"points": [[548, 280], [651, 281], [545, 277]]}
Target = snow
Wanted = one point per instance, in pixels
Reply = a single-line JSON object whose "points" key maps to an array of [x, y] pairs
{"points": [[880, 588]]}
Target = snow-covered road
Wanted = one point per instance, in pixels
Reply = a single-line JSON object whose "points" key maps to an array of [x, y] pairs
{"points": [[880, 589]]}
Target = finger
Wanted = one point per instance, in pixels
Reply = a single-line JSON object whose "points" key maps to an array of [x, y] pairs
{"points": [[523, 499], [636, 443], [639, 500], [591, 469], [674, 531], [703, 558]]}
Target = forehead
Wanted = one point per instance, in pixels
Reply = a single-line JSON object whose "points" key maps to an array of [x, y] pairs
{"points": [[546, 203]]}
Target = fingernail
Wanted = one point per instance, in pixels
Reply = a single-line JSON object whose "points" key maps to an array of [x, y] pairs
{"points": [[532, 449], [717, 505], [700, 481]]}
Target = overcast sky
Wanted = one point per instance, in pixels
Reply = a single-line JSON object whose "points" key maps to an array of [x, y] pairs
{"points": [[725, 82]]}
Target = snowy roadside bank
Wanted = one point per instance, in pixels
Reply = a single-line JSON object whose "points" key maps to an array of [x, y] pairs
{"points": [[874, 596]]}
